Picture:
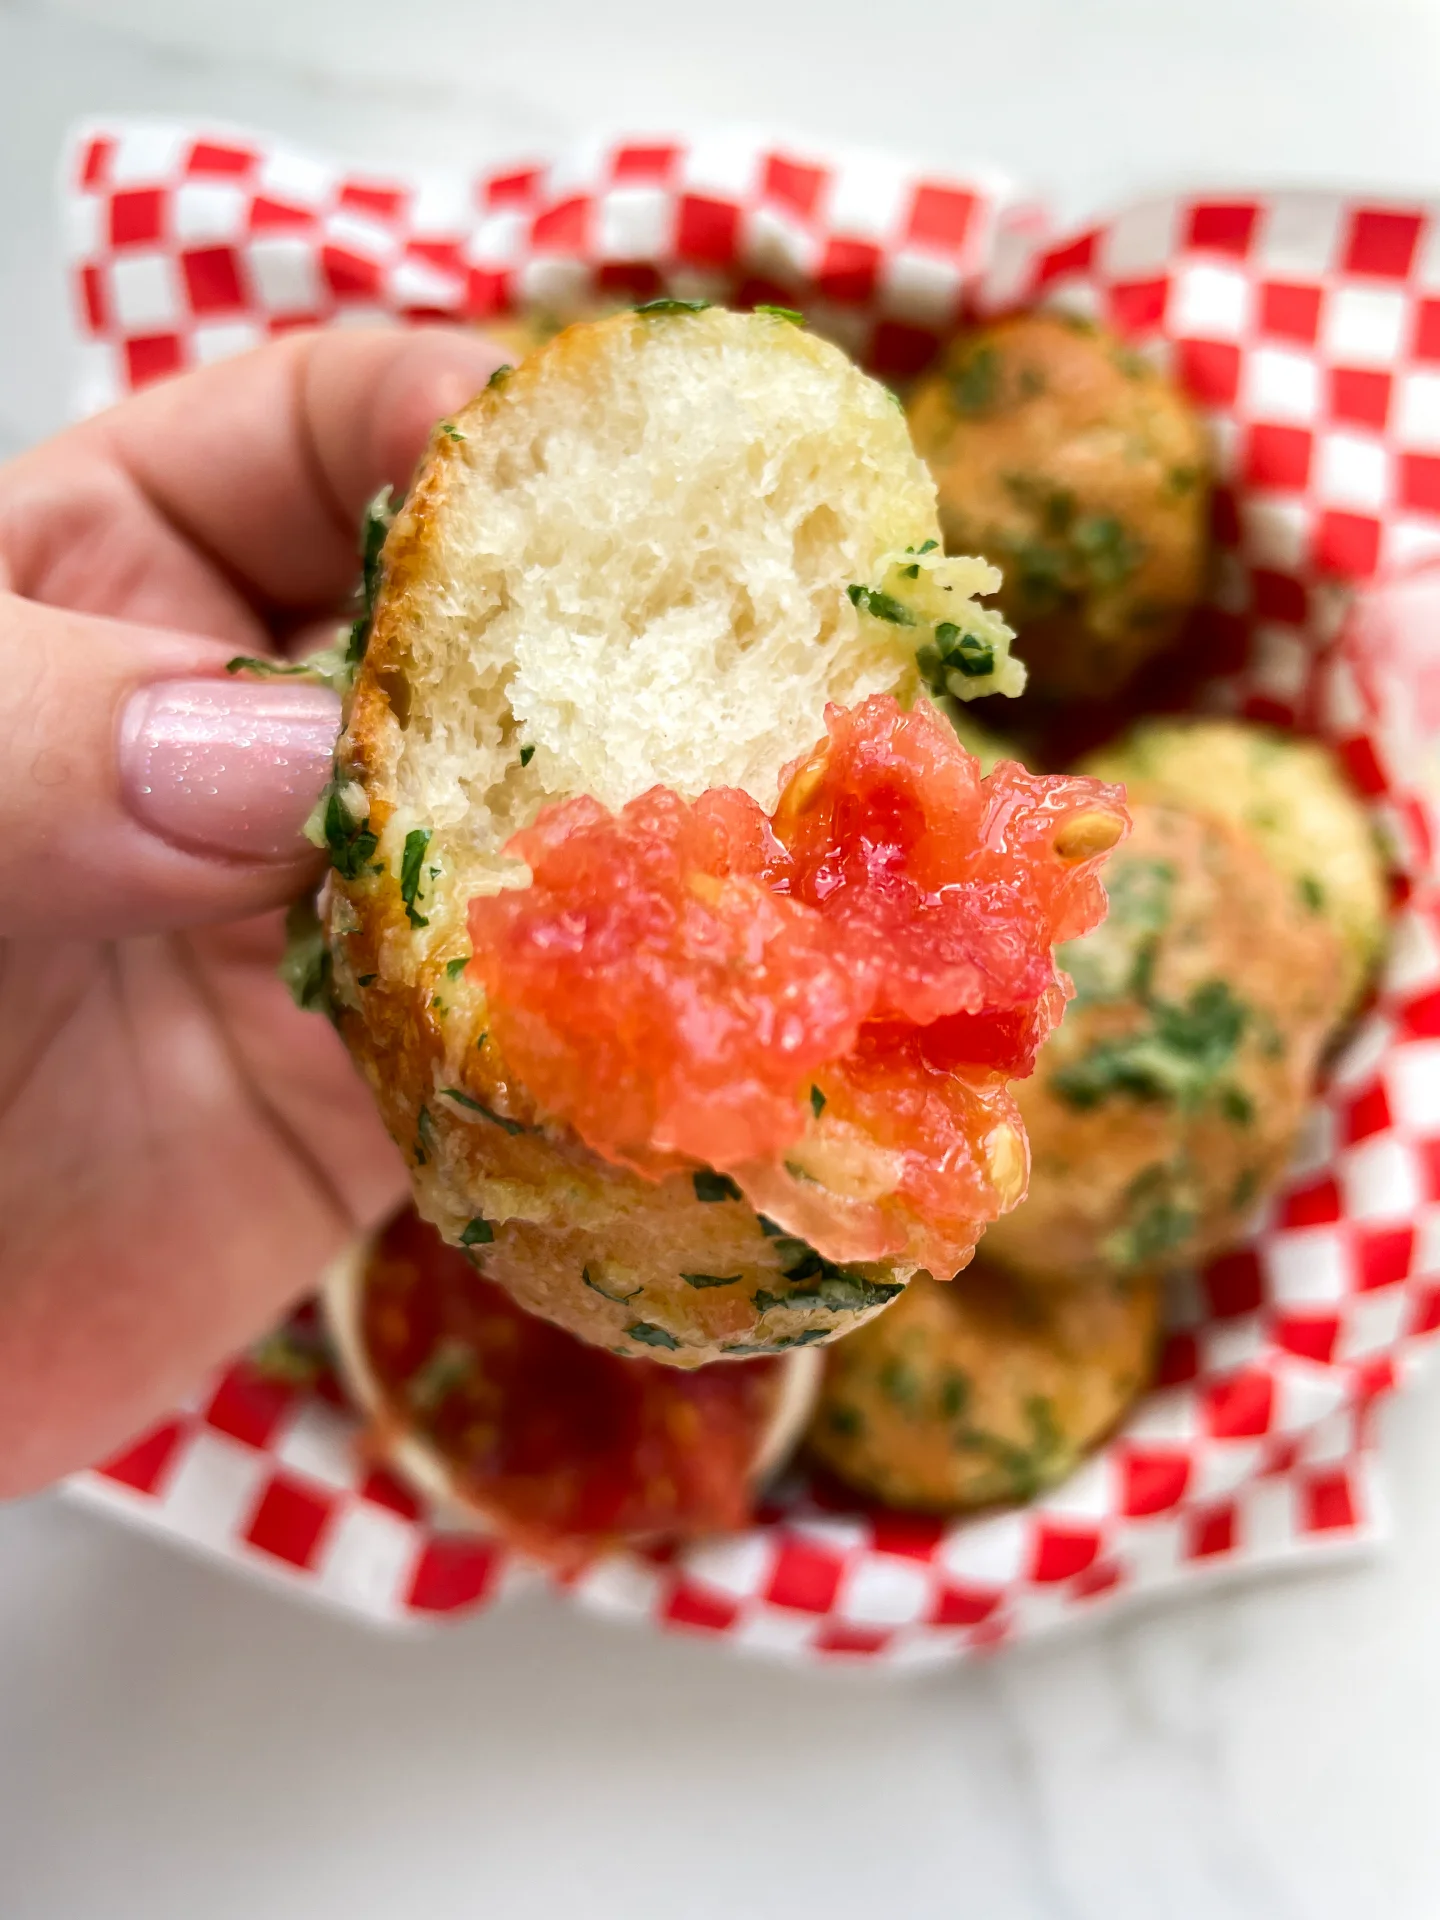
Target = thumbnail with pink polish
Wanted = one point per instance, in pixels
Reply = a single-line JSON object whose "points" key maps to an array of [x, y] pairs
{"points": [[228, 766]]}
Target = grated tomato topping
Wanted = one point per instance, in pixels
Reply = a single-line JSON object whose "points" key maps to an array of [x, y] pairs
{"points": [[825, 1003]]}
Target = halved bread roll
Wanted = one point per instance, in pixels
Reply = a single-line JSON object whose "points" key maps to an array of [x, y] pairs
{"points": [[653, 554]]}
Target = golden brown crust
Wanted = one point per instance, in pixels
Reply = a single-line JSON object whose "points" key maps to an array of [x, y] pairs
{"points": [[1168, 1101], [596, 1249], [981, 1390], [1079, 471], [1291, 796]]}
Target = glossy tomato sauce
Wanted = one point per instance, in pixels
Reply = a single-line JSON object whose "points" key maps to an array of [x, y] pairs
{"points": [[702, 984], [566, 1449]]}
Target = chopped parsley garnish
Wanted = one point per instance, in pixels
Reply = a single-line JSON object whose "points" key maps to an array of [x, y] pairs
{"points": [[479, 1233], [829, 1288], [954, 651], [416, 841], [486, 1113], [965, 651], [798, 1259], [954, 1396], [848, 1422], [350, 841], [817, 1102], [710, 1279], [450, 430], [374, 526], [448, 1367], [1158, 1219], [527, 754], [293, 1356], [305, 966], [424, 1137], [376, 523], [975, 383], [710, 1185], [652, 1336], [900, 1384], [1041, 1413], [1108, 552], [366, 979], [1237, 1106], [926, 546], [1054, 505], [792, 314], [1118, 957], [1040, 571], [668, 304], [880, 606], [615, 1299], [1158, 1230], [807, 1337], [1178, 1058], [839, 1292], [1182, 480], [454, 968], [1026, 1469], [1069, 551], [271, 669], [1139, 894], [1311, 892], [500, 375]]}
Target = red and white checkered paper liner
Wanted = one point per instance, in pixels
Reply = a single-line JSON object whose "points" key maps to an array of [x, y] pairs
{"points": [[1307, 327]]}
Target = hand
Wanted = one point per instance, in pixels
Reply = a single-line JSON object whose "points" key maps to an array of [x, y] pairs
{"points": [[181, 1150]]}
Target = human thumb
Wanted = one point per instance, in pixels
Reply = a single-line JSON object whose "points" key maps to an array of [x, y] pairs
{"points": [[142, 788]]}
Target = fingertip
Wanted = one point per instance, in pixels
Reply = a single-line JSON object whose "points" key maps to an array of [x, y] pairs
{"points": [[448, 366], [265, 462], [228, 767], [425, 374]]}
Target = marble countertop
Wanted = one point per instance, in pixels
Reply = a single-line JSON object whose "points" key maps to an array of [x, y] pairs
{"points": [[178, 1746]]}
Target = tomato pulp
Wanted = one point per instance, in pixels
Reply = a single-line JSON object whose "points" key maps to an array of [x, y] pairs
{"points": [[566, 1449], [826, 1002]]}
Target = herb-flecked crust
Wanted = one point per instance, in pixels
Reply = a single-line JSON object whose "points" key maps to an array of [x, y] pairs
{"points": [[1080, 470], [596, 1249], [1169, 1100], [983, 1391]]}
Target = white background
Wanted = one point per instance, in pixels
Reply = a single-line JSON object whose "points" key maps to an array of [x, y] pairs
{"points": [[175, 1746]]}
